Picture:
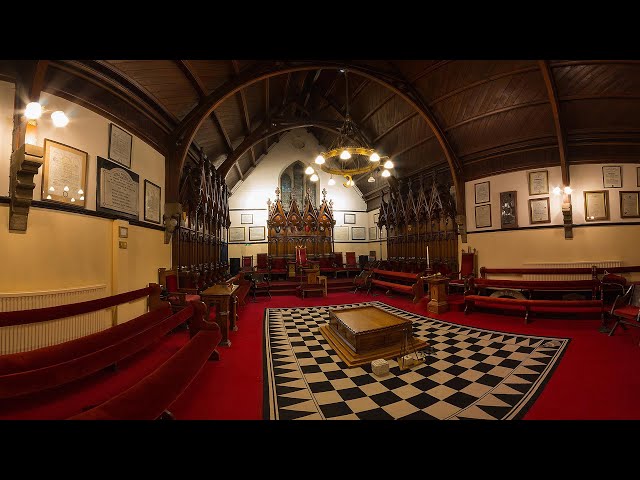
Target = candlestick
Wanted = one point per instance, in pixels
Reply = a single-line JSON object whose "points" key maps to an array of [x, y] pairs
{"points": [[427, 256]]}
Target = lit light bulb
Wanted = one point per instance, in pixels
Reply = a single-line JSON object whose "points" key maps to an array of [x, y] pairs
{"points": [[374, 157], [66, 189], [33, 111], [51, 189], [345, 155], [82, 198], [314, 177], [371, 179], [73, 199], [386, 173], [568, 190], [48, 197], [556, 190], [331, 182], [349, 183], [388, 164], [309, 170], [319, 159], [80, 192], [59, 119]]}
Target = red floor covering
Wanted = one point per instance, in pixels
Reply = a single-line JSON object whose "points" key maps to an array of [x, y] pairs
{"points": [[596, 379]]}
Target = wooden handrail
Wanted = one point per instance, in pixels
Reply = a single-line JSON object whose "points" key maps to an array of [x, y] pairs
{"points": [[8, 319]]}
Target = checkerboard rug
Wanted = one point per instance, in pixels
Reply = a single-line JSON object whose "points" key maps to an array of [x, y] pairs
{"points": [[471, 373]]}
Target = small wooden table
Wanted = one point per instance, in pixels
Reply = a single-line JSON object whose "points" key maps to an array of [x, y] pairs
{"points": [[437, 292], [322, 280], [307, 289], [225, 299]]}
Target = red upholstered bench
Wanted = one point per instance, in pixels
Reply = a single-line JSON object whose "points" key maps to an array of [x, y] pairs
{"points": [[410, 283]]}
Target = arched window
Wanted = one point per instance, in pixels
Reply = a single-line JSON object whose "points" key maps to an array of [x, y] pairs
{"points": [[293, 181]]}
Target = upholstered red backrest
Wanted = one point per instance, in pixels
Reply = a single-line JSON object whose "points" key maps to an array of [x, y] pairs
{"points": [[467, 263], [301, 256], [262, 260], [278, 264], [172, 283], [338, 258], [351, 258], [247, 261], [617, 279]]}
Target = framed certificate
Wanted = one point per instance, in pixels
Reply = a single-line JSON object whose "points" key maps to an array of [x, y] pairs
{"points": [[256, 234], [638, 176], [483, 216], [596, 205], [383, 233], [373, 234], [358, 233], [629, 207], [64, 174], [120, 143], [246, 218], [612, 177], [539, 210], [482, 191], [538, 182], [236, 234], [349, 218], [151, 202], [341, 234]]}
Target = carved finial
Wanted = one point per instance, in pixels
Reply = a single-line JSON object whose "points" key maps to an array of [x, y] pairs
{"points": [[268, 202], [277, 193], [324, 194]]}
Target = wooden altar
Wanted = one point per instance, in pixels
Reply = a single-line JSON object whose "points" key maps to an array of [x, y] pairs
{"points": [[288, 228]]}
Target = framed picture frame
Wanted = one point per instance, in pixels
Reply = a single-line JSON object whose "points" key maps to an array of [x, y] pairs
{"points": [[373, 233], [483, 216], [64, 174], [376, 217], [538, 181], [152, 195], [630, 204], [383, 233], [341, 234], [539, 211], [117, 189], [236, 234], [509, 209], [482, 192], [637, 176], [358, 233], [120, 145], [612, 176], [349, 218], [246, 218], [256, 234], [596, 205], [123, 232]]}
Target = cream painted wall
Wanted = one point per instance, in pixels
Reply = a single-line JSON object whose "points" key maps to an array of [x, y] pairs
{"points": [[251, 196], [66, 250]]}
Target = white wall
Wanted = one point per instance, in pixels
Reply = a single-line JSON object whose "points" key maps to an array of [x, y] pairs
{"points": [[7, 95], [251, 196]]}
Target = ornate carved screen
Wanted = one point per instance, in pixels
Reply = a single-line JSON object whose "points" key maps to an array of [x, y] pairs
{"points": [[311, 228]]}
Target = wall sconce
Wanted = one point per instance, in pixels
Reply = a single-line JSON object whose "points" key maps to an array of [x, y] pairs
{"points": [[33, 112]]}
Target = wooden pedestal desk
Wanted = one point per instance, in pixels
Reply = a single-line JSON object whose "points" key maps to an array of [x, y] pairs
{"points": [[437, 292], [225, 299]]}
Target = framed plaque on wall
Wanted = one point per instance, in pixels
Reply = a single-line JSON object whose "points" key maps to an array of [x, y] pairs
{"points": [[151, 202], [629, 204], [373, 234], [596, 205], [349, 218], [508, 209], [483, 216], [120, 144], [246, 218], [236, 234], [256, 234], [539, 210], [612, 176], [341, 234], [538, 182], [358, 233], [117, 189], [482, 192], [64, 174]]}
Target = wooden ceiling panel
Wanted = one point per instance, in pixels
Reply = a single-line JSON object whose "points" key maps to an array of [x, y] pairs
{"points": [[212, 73], [603, 115], [538, 158], [418, 159], [502, 128], [408, 134], [389, 115], [371, 98], [230, 114], [597, 80], [254, 95], [412, 69]]}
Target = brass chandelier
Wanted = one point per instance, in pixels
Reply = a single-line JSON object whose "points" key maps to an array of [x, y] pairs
{"points": [[350, 154]]}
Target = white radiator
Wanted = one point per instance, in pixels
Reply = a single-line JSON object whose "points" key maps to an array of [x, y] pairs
{"points": [[564, 276], [22, 338]]}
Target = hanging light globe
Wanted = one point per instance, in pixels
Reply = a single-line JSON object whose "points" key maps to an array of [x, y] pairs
{"points": [[331, 182], [319, 159], [345, 155], [314, 177], [374, 157], [33, 111], [309, 170], [388, 164], [386, 173], [371, 179]]}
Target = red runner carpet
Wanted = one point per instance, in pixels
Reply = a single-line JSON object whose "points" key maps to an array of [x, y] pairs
{"points": [[596, 378]]}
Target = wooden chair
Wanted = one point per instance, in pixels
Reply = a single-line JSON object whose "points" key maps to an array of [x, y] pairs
{"points": [[247, 264], [467, 271], [260, 282], [301, 261], [626, 309], [262, 263], [352, 263], [177, 296]]}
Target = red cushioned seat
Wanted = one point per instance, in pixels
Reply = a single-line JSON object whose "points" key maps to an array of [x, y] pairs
{"points": [[393, 286], [190, 298], [628, 311]]}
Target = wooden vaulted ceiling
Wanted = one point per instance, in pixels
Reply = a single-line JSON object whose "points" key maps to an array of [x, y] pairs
{"points": [[493, 115]]}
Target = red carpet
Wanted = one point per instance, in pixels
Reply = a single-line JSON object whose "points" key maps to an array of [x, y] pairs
{"points": [[596, 379]]}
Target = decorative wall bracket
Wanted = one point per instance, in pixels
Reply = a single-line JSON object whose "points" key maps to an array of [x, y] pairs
{"points": [[171, 219], [461, 221], [25, 162], [567, 218]]}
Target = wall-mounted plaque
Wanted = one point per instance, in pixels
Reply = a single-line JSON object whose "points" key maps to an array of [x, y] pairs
{"points": [[483, 216], [120, 143], [539, 210], [236, 234], [629, 204], [64, 174], [482, 191], [151, 202], [596, 205], [358, 233], [117, 189], [246, 218], [612, 176], [373, 233], [349, 218], [508, 209], [383, 233], [638, 176], [256, 234], [341, 234], [538, 182]]}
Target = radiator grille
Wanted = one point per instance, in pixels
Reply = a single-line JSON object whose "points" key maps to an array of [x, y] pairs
{"points": [[565, 276], [22, 338]]}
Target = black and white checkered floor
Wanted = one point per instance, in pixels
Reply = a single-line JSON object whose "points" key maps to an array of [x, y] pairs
{"points": [[472, 373]]}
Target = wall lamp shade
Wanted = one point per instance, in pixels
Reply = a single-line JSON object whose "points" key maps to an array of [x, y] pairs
{"points": [[309, 170], [33, 111], [59, 119]]}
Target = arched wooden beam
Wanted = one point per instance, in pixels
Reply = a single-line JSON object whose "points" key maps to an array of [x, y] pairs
{"points": [[268, 129], [186, 130], [552, 93]]}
